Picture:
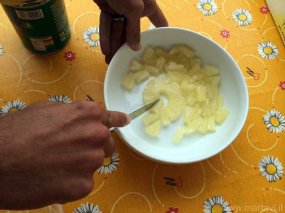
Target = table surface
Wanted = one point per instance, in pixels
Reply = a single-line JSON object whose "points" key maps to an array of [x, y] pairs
{"points": [[246, 177]]}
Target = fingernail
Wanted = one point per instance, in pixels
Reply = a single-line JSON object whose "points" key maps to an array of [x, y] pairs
{"points": [[128, 120], [136, 47]]}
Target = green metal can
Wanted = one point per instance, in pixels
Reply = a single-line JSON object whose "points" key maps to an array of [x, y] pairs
{"points": [[42, 25]]}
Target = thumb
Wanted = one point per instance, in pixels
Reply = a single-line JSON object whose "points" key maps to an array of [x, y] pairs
{"points": [[115, 119]]}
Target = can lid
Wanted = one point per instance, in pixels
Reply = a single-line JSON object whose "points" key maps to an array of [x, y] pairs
{"points": [[22, 3]]}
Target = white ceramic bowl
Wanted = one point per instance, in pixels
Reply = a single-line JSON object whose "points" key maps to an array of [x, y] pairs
{"points": [[195, 147]]}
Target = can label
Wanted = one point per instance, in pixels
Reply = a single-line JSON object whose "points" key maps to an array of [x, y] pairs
{"points": [[42, 25]]}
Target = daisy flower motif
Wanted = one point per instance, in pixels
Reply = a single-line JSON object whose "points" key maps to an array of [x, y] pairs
{"points": [[271, 168], [12, 106], [69, 56], [87, 208], [267, 50], [282, 85], [264, 10], [1, 50], [207, 7], [242, 17], [216, 204], [91, 36], [274, 121], [60, 98], [110, 164], [225, 33], [172, 210]]}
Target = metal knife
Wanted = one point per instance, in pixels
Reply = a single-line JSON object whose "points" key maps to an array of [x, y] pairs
{"points": [[142, 110], [135, 113]]}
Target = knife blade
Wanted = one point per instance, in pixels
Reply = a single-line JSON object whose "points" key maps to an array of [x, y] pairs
{"points": [[142, 110], [135, 113]]}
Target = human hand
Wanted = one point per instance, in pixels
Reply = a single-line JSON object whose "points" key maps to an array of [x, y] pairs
{"points": [[114, 33], [49, 152]]}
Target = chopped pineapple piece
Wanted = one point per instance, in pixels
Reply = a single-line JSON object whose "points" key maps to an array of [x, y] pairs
{"points": [[128, 82], [152, 70], [148, 54], [211, 125], [173, 51], [186, 89], [221, 115], [180, 133], [160, 52], [198, 76], [150, 95], [195, 61], [210, 70], [153, 130], [164, 117], [174, 88], [157, 107], [196, 124], [195, 69], [207, 109], [201, 93], [160, 62], [174, 76], [214, 80], [220, 102], [202, 128], [186, 113], [194, 115], [175, 106], [173, 66], [141, 76], [149, 119], [191, 99], [185, 50], [135, 65]]}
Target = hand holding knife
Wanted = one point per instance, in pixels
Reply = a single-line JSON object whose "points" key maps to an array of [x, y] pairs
{"points": [[135, 113]]}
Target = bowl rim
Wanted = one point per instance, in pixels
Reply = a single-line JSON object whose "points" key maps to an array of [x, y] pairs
{"points": [[216, 151]]}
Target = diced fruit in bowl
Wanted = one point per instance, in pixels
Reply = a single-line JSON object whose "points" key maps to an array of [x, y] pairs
{"points": [[185, 86]]}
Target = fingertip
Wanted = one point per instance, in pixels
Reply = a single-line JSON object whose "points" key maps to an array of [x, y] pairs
{"points": [[121, 119], [105, 50], [135, 47], [128, 120], [108, 59], [133, 33]]}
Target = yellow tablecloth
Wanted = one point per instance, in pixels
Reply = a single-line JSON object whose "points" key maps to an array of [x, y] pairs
{"points": [[246, 177]]}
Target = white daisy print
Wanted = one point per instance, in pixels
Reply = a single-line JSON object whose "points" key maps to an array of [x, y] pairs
{"points": [[89, 35], [217, 204], [87, 208], [242, 17], [1, 50], [271, 168], [267, 50], [207, 7], [274, 121], [110, 164], [12, 106], [60, 98]]}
